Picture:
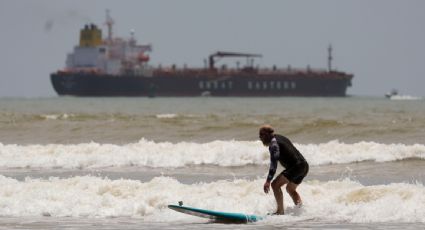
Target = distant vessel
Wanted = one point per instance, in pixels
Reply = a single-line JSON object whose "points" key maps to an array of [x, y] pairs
{"points": [[119, 67], [394, 95]]}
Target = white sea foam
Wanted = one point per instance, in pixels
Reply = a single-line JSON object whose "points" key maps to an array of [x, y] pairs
{"points": [[173, 115], [339, 201], [165, 154], [167, 115], [335, 152], [56, 116]]}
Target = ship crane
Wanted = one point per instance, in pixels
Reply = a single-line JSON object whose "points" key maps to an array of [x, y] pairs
{"points": [[221, 54]]}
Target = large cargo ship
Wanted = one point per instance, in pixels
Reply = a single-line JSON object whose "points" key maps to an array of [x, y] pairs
{"points": [[114, 66]]}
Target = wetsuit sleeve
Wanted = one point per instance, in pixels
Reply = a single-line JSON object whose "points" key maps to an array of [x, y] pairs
{"points": [[274, 158]]}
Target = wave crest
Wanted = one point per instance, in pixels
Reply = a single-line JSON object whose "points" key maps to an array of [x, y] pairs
{"points": [[166, 154]]}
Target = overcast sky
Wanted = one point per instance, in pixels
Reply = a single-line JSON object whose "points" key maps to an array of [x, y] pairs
{"points": [[382, 42]]}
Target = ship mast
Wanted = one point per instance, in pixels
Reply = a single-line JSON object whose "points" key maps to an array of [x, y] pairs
{"points": [[330, 58], [109, 22]]}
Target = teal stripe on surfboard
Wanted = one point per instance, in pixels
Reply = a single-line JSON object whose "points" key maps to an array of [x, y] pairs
{"points": [[216, 215]]}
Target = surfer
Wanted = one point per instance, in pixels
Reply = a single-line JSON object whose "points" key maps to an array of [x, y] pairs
{"points": [[296, 167]]}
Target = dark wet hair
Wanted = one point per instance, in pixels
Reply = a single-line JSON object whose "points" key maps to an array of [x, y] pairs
{"points": [[266, 134], [266, 129]]}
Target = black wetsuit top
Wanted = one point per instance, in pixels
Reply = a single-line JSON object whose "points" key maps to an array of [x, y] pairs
{"points": [[281, 149]]}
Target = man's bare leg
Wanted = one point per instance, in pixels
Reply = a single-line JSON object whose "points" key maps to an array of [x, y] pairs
{"points": [[277, 191], [291, 189]]}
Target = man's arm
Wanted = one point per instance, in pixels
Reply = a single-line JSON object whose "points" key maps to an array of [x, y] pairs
{"points": [[274, 157]]}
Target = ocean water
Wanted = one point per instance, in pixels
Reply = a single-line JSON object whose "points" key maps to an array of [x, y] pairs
{"points": [[116, 163]]}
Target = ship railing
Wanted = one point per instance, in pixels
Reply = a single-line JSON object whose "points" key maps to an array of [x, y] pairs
{"points": [[313, 72], [290, 70], [81, 70]]}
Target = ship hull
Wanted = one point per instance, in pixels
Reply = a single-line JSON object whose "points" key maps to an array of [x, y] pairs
{"points": [[85, 84]]}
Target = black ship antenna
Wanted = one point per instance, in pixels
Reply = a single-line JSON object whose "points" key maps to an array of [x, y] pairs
{"points": [[228, 54], [330, 58]]}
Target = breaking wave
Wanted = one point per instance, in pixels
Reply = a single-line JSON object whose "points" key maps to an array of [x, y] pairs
{"points": [[339, 201], [165, 154]]}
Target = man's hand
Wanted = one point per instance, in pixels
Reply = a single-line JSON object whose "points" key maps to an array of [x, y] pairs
{"points": [[266, 187]]}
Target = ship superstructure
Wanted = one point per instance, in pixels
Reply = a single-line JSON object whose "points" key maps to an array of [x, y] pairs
{"points": [[112, 56]]}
